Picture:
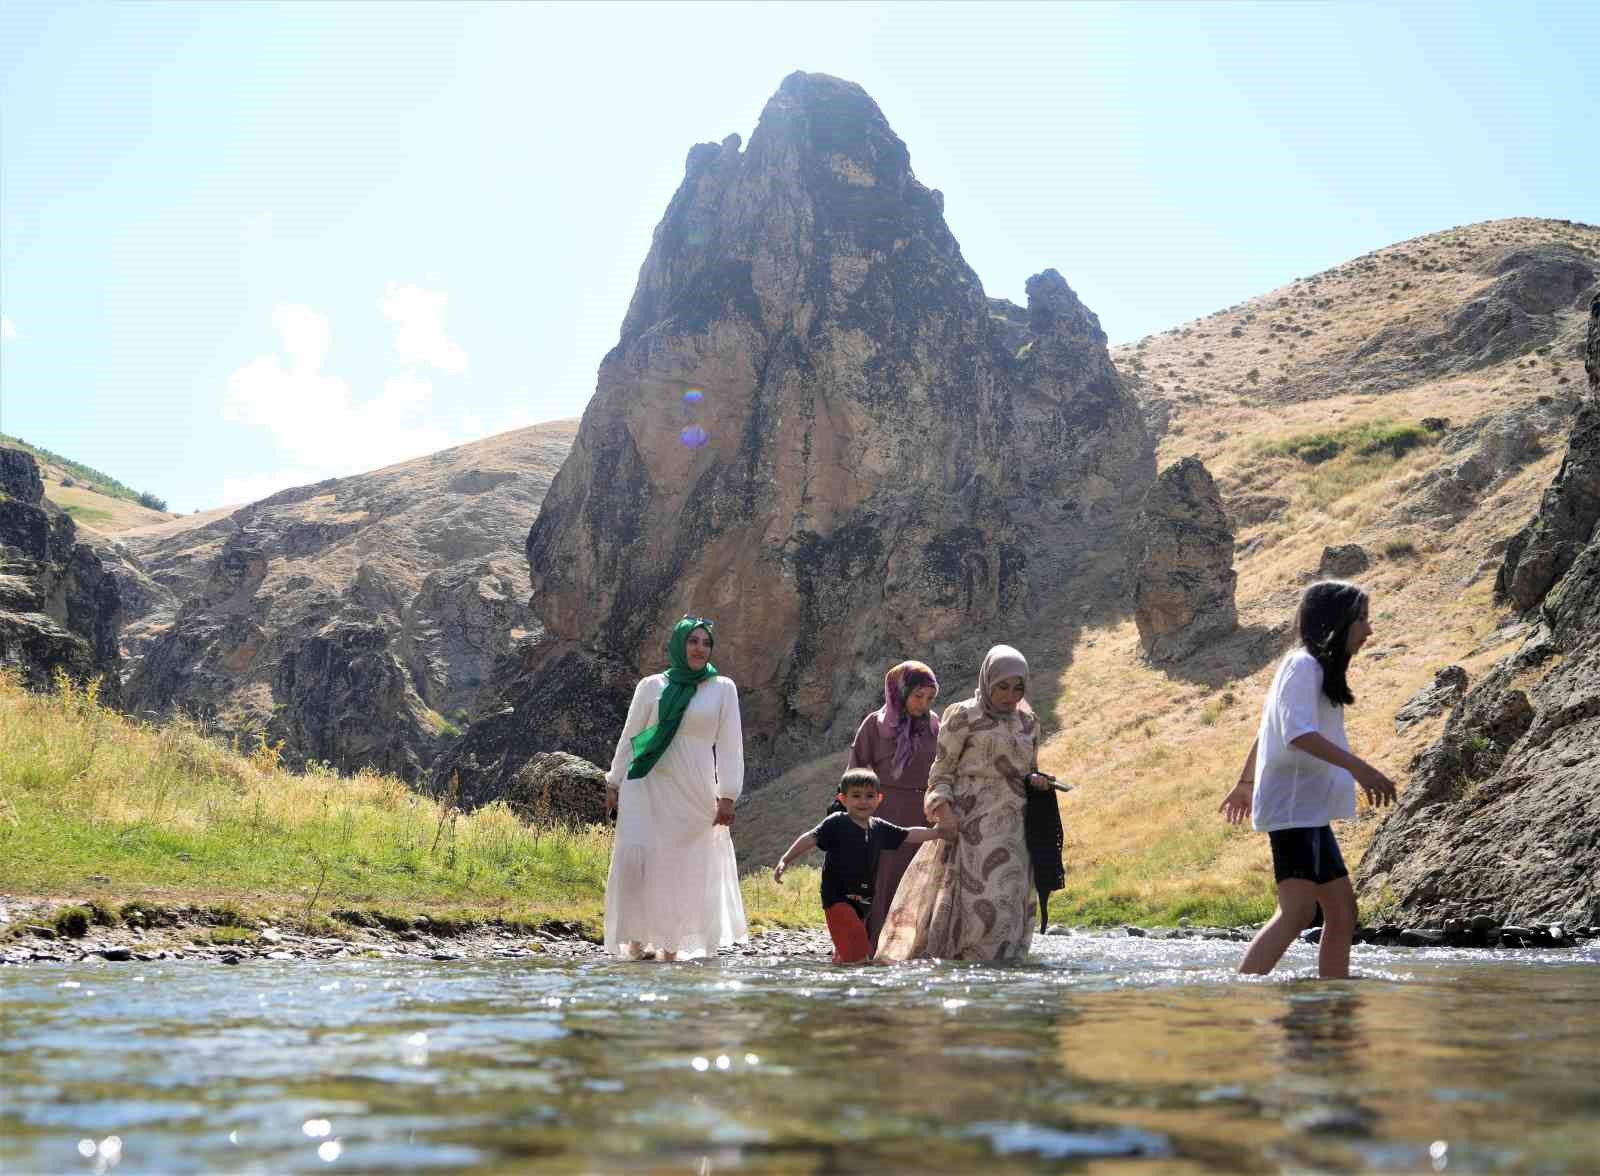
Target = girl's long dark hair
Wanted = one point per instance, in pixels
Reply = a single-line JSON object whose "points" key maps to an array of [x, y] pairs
{"points": [[1327, 610]]}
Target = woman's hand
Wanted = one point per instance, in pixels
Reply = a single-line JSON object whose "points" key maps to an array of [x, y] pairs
{"points": [[1236, 805], [946, 821], [1040, 780], [777, 872], [1379, 788], [612, 797], [724, 813]]}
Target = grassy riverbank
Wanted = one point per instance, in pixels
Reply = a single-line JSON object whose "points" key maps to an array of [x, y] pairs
{"points": [[95, 807]]}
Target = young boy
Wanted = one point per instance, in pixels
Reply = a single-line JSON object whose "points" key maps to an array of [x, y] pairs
{"points": [[852, 840]]}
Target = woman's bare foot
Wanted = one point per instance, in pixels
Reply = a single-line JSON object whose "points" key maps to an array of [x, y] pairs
{"points": [[670, 957], [633, 951]]}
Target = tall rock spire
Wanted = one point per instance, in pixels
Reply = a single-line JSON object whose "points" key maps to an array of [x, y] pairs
{"points": [[817, 429]]}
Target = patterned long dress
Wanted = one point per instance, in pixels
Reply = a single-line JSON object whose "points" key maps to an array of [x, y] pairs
{"points": [[973, 899]]}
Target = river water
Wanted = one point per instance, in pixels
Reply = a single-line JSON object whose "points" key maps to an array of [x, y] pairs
{"points": [[1099, 1054]]}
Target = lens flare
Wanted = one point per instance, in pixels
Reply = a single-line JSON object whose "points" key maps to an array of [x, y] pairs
{"points": [[693, 395], [694, 437]]}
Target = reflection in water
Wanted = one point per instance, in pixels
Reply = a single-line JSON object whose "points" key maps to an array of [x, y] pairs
{"points": [[1096, 1052]]}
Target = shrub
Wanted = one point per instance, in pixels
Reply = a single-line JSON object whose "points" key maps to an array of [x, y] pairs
{"points": [[1399, 549], [1368, 440], [151, 502], [71, 922]]}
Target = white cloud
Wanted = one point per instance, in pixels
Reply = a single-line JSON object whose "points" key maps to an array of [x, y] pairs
{"points": [[8, 331], [417, 316], [322, 429]]}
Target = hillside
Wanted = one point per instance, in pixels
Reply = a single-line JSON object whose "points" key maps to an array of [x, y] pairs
{"points": [[352, 621], [1476, 330], [96, 501]]}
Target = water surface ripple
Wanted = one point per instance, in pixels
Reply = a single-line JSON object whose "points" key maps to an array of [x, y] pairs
{"points": [[1097, 1054]]}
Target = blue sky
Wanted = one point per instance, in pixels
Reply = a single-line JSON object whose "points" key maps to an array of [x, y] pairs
{"points": [[244, 246]]}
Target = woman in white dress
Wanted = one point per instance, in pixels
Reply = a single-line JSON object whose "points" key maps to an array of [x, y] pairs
{"points": [[673, 889]]}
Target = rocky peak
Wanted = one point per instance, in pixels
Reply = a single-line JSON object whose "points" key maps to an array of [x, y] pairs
{"points": [[816, 429]]}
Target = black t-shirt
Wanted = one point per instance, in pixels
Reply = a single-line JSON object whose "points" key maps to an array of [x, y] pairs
{"points": [[852, 861]]}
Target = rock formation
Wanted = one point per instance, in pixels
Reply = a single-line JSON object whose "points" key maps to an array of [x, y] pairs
{"points": [[819, 431], [1446, 689], [1502, 815], [354, 620], [1184, 578], [1343, 561], [59, 610]]}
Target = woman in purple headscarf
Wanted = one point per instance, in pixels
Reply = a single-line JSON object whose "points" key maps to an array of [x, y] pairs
{"points": [[898, 741]]}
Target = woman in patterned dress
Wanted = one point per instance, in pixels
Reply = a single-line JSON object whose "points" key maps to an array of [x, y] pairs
{"points": [[973, 899]]}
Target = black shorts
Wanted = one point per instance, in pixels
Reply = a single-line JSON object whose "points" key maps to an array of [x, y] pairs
{"points": [[1309, 854]]}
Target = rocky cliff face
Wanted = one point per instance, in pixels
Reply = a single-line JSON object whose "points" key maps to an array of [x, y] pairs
{"points": [[1502, 815], [352, 619], [819, 431], [1183, 579], [59, 609]]}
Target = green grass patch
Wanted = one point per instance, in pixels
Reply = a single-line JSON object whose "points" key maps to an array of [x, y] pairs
{"points": [[1371, 439], [231, 936], [167, 812]]}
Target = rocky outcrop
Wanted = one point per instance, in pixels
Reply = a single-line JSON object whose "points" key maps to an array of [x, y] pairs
{"points": [[355, 620], [1184, 577], [59, 609], [1541, 552], [1446, 689], [1526, 295], [1502, 814], [817, 429], [1486, 453]]}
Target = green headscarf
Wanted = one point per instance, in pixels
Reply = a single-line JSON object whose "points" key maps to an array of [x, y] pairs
{"points": [[681, 685]]}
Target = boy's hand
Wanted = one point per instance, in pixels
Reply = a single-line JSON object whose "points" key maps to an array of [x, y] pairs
{"points": [[1379, 788], [777, 871], [1236, 805]]}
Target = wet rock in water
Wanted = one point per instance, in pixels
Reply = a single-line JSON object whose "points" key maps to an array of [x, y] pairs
{"points": [[1334, 1120], [447, 956], [1058, 929], [115, 953], [1184, 579], [271, 936], [1449, 685], [1311, 935], [231, 958], [1343, 561], [1422, 937], [281, 955]]}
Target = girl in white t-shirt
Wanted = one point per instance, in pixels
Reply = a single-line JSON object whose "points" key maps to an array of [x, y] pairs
{"points": [[1300, 775]]}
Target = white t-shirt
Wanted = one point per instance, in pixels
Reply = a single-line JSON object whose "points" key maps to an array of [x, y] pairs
{"points": [[1294, 789]]}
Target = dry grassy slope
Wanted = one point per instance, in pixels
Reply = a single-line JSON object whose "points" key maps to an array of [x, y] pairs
{"points": [[92, 510], [1153, 751]]}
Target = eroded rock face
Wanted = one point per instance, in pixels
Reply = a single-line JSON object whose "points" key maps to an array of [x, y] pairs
{"points": [[350, 619], [1541, 552], [819, 431], [59, 609], [1184, 579], [1487, 452], [1502, 814]]}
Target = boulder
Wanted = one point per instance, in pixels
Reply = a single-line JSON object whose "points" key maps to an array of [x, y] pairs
{"points": [[554, 787], [1343, 561], [1184, 577]]}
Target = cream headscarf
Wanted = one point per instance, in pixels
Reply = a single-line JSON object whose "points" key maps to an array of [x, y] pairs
{"points": [[1000, 663]]}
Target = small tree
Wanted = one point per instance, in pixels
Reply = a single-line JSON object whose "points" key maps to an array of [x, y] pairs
{"points": [[151, 502]]}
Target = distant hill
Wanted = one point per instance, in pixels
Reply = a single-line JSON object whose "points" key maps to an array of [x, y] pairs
{"points": [[94, 499]]}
